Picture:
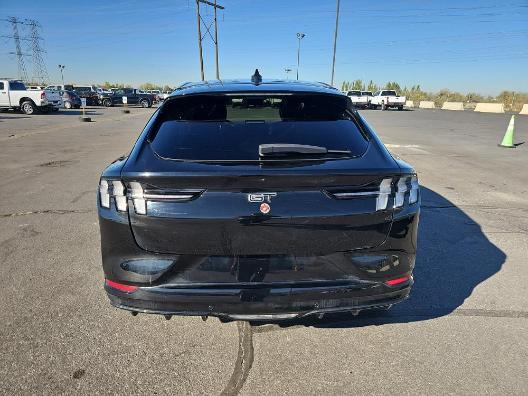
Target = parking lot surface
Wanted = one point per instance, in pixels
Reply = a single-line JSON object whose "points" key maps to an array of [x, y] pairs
{"points": [[463, 330]]}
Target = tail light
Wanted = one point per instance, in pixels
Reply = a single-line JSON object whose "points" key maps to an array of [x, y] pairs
{"points": [[121, 287], [139, 195], [397, 281], [398, 188], [115, 189], [406, 184], [43, 95], [104, 195]]}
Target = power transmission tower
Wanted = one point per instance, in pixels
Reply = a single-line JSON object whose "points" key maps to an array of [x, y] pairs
{"points": [[40, 73], [208, 31], [22, 72]]}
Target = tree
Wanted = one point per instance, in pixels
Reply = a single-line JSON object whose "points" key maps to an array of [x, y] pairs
{"points": [[167, 88], [358, 85], [393, 85], [372, 87], [148, 86]]}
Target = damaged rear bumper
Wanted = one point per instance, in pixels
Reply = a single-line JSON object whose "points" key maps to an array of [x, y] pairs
{"points": [[249, 302]]}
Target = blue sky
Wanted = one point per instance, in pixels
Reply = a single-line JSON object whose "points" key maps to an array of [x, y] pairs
{"points": [[461, 45]]}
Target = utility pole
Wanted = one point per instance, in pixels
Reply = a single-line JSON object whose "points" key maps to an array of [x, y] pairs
{"points": [[207, 27], [22, 72], [61, 68], [300, 36], [200, 38], [40, 73], [335, 43], [216, 41]]}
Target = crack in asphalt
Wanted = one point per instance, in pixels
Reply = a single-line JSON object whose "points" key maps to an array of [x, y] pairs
{"points": [[46, 211], [244, 360]]}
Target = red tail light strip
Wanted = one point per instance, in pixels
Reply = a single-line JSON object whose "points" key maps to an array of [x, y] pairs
{"points": [[121, 287], [397, 281]]}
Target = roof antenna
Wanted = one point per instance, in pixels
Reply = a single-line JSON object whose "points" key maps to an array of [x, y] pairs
{"points": [[256, 78]]}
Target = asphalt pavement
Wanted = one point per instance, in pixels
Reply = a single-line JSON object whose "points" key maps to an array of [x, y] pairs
{"points": [[463, 330]]}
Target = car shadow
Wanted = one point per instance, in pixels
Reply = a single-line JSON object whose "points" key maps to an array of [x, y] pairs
{"points": [[454, 256], [16, 116], [78, 112]]}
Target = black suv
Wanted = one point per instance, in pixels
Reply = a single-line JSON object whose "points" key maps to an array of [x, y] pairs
{"points": [[134, 97], [265, 200]]}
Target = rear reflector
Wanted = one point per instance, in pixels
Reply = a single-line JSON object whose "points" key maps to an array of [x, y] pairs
{"points": [[121, 287], [397, 281]]}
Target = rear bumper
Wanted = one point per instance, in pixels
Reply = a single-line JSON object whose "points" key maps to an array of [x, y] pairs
{"points": [[274, 302]]}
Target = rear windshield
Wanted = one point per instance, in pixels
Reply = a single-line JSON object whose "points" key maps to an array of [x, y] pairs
{"points": [[354, 93], [366, 93], [231, 128], [388, 93]]}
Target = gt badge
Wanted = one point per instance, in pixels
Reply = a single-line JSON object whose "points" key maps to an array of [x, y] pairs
{"points": [[265, 208], [261, 197]]}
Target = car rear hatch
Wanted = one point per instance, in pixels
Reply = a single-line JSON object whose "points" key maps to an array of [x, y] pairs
{"points": [[228, 201]]}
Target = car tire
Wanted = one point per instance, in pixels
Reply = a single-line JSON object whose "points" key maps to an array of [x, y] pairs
{"points": [[107, 103], [67, 105], [28, 107], [144, 103], [400, 108]]}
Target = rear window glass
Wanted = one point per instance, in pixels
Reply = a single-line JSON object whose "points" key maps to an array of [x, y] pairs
{"points": [[217, 127], [354, 93], [388, 93], [16, 86], [366, 93]]}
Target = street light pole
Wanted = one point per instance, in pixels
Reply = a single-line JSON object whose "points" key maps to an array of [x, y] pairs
{"points": [[335, 43], [300, 36], [61, 68]]}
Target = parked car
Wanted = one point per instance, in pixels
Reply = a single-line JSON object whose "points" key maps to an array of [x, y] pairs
{"points": [[14, 95], [54, 96], [156, 93], [257, 201], [164, 95], [134, 96], [71, 100], [358, 99], [89, 92], [102, 91], [368, 95], [386, 99], [60, 88]]}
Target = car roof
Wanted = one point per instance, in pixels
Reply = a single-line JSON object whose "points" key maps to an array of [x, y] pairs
{"points": [[246, 86]]}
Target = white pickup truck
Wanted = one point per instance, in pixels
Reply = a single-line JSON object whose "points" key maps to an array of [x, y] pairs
{"points": [[360, 98], [53, 95], [14, 95], [387, 98]]}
